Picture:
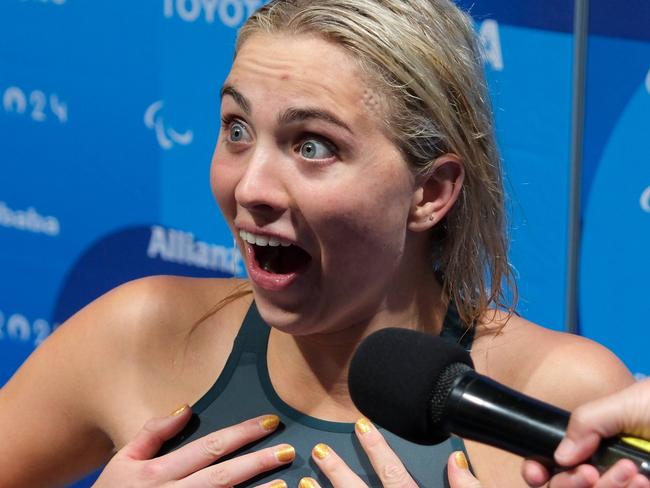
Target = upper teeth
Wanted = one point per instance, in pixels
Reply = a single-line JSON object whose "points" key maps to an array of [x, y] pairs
{"points": [[262, 240]]}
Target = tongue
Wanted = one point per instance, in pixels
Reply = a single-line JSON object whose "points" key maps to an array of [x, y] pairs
{"points": [[281, 260]]}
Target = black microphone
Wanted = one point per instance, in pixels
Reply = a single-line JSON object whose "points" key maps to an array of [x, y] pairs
{"points": [[424, 388]]}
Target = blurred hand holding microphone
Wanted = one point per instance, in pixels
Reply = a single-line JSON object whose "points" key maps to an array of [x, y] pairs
{"points": [[424, 388]]}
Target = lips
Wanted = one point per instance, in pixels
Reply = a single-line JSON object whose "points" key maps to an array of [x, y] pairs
{"points": [[273, 263]]}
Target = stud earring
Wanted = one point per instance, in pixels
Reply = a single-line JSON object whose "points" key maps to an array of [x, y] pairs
{"points": [[432, 218]]}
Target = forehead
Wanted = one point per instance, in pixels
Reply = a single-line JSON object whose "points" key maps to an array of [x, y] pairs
{"points": [[302, 70]]}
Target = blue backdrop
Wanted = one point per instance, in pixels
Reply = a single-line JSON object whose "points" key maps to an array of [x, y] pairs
{"points": [[615, 271], [110, 110]]}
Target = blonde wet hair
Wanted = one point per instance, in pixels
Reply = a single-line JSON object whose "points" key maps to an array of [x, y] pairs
{"points": [[423, 59]]}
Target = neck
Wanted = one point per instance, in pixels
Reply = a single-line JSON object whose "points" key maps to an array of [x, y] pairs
{"points": [[310, 372]]}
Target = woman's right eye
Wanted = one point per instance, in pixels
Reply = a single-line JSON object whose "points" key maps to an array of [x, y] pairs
{"points": [[236, 131]]}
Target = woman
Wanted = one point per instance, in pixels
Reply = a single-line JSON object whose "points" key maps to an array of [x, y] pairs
{"points": [[357, 167]]}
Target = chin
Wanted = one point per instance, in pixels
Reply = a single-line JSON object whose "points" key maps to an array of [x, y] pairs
{"points": [[284, 315]]}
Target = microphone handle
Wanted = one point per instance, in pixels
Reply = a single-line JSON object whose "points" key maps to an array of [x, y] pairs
{"points": [[616, 448], [480, 409]]}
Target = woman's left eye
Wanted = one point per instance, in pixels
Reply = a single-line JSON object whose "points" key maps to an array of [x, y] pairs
{"points": [[315, 149]]}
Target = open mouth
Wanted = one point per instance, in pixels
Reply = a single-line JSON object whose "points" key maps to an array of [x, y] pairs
{"points": [[274, 255]]}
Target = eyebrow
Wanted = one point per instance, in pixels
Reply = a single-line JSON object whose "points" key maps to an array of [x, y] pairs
{"points": [[238, 97], [301, 114], [291, 115]]}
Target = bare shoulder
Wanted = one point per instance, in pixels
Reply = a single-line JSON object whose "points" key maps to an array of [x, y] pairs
{"points": [[160, 310], [106, 370], [558, 368], [142, 322], [160, 342]]}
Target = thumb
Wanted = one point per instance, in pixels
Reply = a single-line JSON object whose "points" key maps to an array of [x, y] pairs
{"points": [[458, 472], [623, 412], [148, 441]]}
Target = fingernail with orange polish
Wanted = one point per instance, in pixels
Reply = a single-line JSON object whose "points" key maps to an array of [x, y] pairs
{"points": [[321, 451], [363, 426], [270, 422], [279, 484], [307, 483], [285, 454], [178, 411], [461, 460]]}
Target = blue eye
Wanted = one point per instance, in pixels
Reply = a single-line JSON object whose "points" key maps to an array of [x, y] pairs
{"points": [[237, 132], [315, 149]]}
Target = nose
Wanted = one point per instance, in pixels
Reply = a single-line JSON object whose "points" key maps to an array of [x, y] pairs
{"points": [[261, 188]]}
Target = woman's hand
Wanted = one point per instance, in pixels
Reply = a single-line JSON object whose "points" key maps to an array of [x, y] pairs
{"points": [[191, 465], [387, 465], [458, 472]]}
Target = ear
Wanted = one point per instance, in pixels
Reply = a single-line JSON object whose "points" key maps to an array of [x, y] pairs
{"points": [[436, 193]]}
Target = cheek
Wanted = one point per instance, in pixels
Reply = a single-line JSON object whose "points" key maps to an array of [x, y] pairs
{"points": [[223, 181], [365, 222]]}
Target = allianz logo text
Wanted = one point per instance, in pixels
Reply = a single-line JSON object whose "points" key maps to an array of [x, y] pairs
{"points": [[177, 246], [231, 13], [29, 220], [38, 105], [166, 136]]}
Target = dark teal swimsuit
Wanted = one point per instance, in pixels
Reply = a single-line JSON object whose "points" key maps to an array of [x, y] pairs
{"points": [[244, 390]]}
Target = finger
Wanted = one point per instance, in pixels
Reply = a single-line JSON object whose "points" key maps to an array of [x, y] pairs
{"points": [[150, 438], [332, 466], [606, 417], [618, 476], [387, 465], [308, 483], [212, 447], [274, 484], [583, 476], [534, 473], [639, 481], [458, 472], [239, 469]]}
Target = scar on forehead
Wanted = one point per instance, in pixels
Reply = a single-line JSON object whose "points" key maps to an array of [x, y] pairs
{"points": [[371, 101]]}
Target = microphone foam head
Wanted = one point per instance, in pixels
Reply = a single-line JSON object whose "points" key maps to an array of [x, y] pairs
{"points": [[400, 379]]}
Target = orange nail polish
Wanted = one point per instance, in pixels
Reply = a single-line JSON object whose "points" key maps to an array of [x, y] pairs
{"points": [[321, 451], [285, 454], [178, 411], [363, 426], [307, 483], [270, 422], [461, 460]]}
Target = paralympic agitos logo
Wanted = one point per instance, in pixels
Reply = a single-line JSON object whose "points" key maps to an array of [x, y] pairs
{"points": [[166, 136], [645, 200]]}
